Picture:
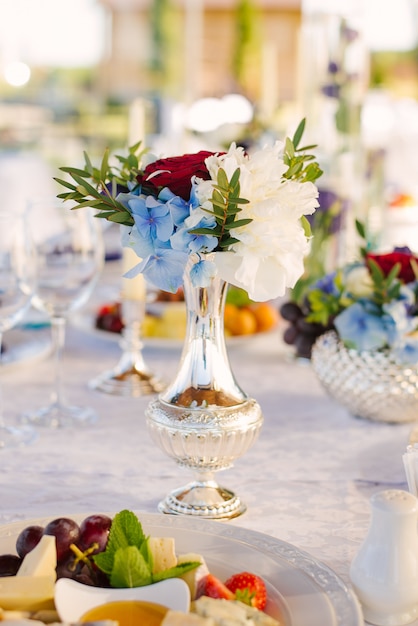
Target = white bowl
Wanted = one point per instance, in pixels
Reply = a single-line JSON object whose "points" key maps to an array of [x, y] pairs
{"points": [[73, 599]]}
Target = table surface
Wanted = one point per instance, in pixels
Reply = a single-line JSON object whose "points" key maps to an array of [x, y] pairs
{"points": [[307, 480]]}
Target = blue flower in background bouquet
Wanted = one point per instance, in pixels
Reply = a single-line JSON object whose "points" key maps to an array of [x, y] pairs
{"points": [[372, 303]]}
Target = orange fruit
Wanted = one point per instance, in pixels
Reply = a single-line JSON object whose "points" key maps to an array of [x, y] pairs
{"points": [[244, 323], [127, 613], [230, 317], [267, 317]]}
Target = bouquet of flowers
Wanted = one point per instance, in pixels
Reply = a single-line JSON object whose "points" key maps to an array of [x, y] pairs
{"points": [[372, 304], [248, 209]]}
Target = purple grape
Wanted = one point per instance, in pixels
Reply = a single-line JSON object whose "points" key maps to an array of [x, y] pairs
{"points": [[94, 529], [290, 311], [66, 531], [290, 335], [28, 539], [9, 564]]}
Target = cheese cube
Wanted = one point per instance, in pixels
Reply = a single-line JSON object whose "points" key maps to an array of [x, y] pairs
{"points": [[163, 553], [192, 578], [42, 560]]}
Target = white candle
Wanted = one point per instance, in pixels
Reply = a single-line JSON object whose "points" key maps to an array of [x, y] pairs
{"points": [[132, 288]]}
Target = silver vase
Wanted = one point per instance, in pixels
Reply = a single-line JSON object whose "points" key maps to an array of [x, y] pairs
{"points": [[370, 384], [203, 419]]}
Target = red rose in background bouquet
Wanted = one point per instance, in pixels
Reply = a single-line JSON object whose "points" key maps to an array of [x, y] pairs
{"points": [[402, 256]]}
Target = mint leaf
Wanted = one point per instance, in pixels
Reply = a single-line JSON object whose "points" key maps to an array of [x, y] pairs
{"points": [[178, 570], [104, 561], [130, 569], [127, 559], [126, 530]]}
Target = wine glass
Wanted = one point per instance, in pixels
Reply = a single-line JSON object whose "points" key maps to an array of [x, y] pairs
{"points": [[17, 285], [70, 253]]}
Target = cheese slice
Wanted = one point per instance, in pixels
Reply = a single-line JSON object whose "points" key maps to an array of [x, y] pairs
{"points": [[26, 593], [42, 560], [163, 553], [177, 618], [192, 578], [231, 613]]}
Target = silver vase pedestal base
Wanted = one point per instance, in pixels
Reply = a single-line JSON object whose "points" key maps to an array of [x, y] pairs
{"points": [[204, 439], [203, 499]]}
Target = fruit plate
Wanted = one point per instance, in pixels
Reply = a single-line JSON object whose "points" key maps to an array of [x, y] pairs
{"points": [[85, 321], [301, 590]]}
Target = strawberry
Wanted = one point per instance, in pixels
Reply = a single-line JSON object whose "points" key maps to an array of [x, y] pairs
{"points": [[211, 586], [248, 588]]}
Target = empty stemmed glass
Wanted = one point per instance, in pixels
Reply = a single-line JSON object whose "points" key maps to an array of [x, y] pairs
{"points": [[70, 257], [17, 285]]}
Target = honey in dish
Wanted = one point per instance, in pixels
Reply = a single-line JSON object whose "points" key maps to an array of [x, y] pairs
{"points": [[127, 613]]}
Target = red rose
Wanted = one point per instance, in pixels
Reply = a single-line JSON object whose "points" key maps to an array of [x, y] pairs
{"points": [[387, 261], [175, 173]]}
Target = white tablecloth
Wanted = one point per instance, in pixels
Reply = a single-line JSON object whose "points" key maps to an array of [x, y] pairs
{"points": [[307, 480]]}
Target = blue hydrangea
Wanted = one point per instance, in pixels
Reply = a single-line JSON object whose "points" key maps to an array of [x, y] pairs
{"points": [[362, 329]]}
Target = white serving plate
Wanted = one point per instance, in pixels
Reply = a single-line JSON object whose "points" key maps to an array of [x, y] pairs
{"points": [[301, 589]]}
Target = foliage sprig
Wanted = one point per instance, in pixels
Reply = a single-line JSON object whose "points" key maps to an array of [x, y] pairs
{"points": [[301, 166], [99, 193], [225, 202]]}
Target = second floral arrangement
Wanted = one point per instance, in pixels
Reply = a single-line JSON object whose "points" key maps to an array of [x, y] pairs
{"points": [[371, 303]]}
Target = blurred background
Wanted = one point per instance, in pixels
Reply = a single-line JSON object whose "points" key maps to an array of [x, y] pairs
{"points": [[182, 75]]}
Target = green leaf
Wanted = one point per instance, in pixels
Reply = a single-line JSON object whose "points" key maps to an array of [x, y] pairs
{"points": [[376, 272], [235, 178], [298, 133], [104, 168], [361, 230], [130, 569], [121, 218], [126, 530], [289, 148], [178, 570], [237, 200], [227, 241], [87, 188], [294, 170], [240, 223], [89, 165], [202, 231], [306, 226], [65, 183], [74, 171], [393, 272], [222, 179]]}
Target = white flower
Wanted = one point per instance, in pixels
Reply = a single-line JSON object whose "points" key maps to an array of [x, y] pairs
{"points": [[268, 257], [358, 282]]}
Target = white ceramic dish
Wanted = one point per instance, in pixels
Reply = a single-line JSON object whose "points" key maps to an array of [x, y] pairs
{"points": [[302, 590], [73, 599]]}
